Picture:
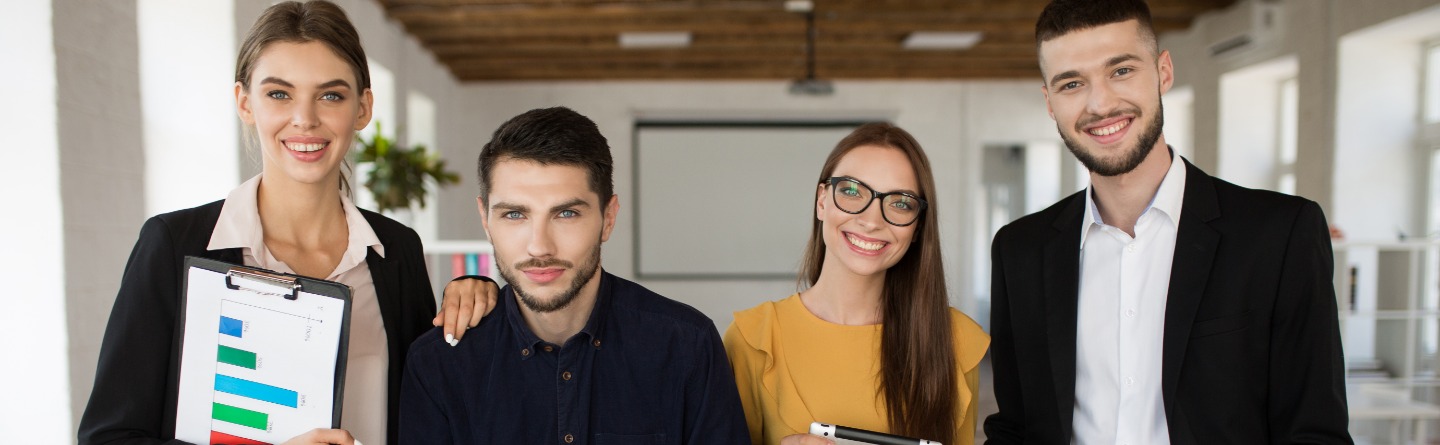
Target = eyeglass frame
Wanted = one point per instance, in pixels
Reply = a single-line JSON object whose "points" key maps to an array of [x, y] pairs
{"points": [[874, 195]]}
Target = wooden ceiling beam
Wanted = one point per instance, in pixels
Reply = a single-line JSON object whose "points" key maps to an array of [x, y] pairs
{"points": [[747, 73]]}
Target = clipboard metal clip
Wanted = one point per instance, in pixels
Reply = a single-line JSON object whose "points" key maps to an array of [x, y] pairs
{"points": [[234, 277]]}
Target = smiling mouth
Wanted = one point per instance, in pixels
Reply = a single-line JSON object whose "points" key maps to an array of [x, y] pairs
{"points": [[1110, 129], [869, 246], [305, 147]]}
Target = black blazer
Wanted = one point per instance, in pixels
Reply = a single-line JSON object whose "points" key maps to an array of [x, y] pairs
{"points": [[137, 378], [1252, 341]]}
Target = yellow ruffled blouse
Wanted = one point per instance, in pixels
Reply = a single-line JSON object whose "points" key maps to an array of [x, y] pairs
{"points": [[793, 368]]}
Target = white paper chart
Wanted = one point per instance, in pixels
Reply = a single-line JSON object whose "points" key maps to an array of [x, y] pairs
{"points": [[255, 369]]}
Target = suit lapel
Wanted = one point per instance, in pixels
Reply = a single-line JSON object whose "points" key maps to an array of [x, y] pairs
{"points": [[386, 276], [1062, 294], [1195, 244]]}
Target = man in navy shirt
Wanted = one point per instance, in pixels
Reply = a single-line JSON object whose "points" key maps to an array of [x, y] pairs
{"points": [[571, 354]]}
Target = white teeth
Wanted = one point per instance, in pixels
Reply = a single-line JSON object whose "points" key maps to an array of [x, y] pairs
{"points": [[865, 245], [306, 148], [1106, 131]]}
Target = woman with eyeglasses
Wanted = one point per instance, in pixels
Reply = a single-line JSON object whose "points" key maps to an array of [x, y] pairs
{"points": [[870, 341]]}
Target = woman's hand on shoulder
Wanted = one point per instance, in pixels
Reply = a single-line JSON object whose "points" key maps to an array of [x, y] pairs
{"points": [[321, 436], [466, 301], [805, 439]]}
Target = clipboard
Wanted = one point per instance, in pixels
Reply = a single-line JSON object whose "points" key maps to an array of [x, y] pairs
{"points": [[262, 355]]}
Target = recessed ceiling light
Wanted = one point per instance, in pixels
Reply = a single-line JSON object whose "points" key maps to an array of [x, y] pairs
{"points": [[939, 40], [799, 5], [678, 39]]}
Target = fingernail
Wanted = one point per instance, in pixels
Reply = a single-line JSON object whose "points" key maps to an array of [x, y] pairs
{"points": [[450, 338]]}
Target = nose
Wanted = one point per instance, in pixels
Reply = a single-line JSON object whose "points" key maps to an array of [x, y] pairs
{"points": [[542, 243], [873, 216], [1102, 99], [303, 115]]}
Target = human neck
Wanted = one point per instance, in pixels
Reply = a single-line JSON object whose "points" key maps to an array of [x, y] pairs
{"points": [[559, 325], [1121, 199], [842, 297], [304, 215]]}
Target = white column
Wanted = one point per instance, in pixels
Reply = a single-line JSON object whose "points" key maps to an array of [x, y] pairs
{"points": [[187, 72]]}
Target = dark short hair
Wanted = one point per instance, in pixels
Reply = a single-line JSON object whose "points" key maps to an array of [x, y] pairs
{"points": [[1062, 17], [551, 136]]}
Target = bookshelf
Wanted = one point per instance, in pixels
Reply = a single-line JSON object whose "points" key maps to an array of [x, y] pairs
{"points": [[1388, 295]]}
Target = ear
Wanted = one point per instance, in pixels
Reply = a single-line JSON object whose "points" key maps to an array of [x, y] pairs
{"points": [[1045, 91], [1167, 72], [367, 101], [612, 209], [242, 105], [484, 218], [820, 202]]}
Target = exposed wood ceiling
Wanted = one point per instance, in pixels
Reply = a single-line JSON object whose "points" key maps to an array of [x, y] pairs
{"points": [[484, 40]]}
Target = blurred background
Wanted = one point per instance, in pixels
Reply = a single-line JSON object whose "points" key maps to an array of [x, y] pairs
{"points": [[124, 109]]}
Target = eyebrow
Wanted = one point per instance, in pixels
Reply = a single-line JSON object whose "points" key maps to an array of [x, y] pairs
{"points": [[1108, 63], [512, 207], [905, 191], [283, 83]]}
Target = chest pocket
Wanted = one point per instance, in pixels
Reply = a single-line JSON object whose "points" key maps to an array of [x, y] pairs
{"points": [[629, 439]]}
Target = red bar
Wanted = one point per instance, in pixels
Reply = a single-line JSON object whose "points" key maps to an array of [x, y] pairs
{"points": [[218, 438], [457, 264]]}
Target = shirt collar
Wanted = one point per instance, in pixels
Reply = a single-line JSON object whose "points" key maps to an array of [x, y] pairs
{"points": [[1168, 199], [239, 226], [594, 325]]}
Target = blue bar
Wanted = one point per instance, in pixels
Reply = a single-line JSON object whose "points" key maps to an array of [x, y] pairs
{"points": [[257, 391], [232, 327]]}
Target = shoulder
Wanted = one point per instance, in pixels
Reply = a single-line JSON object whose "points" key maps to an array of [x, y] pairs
{"points": [[971, 341], [755, 324], [391, 233], [184, 228], [635, 300], [1258, 206]]}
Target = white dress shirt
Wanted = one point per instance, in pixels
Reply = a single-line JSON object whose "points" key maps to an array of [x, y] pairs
{"points": [[368, 361], [1124, 283]]}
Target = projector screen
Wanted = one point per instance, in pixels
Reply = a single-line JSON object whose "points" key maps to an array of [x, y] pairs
{"points": [[727, 200]]}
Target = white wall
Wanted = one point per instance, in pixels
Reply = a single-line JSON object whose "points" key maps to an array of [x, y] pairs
{"points": [[1331, 136], [36, 407], [951, 120], [1249, 122]]}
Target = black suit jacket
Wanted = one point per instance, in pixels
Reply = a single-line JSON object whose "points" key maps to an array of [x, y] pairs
{"points": [[137, 378], [1251, 344]]}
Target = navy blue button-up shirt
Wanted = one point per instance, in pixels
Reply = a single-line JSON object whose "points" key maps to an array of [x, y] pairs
{"points": [[644, 370]]}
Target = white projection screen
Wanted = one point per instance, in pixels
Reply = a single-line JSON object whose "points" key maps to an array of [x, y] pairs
{"points": [[727, 200]]}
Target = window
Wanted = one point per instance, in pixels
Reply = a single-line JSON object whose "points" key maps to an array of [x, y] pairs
{"points": [[1289, 131]]}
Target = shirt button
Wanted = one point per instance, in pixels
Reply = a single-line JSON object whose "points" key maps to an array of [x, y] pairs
{"points": [[1129, 381], [525, 352], [565, 375], [1129, 313], [569, 438], [1130, 248], [597, 342], [548, 348]]}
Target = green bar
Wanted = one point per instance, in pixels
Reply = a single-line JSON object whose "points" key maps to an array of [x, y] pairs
{"points": [[237, 357], [241, 416]]}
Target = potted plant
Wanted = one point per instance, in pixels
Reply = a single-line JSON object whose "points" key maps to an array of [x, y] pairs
{"points": [[397, 177]]}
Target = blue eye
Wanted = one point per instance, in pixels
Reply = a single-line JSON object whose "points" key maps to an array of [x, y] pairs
{"points": [[1124, 71], [512, 215], [568, 214], [334, 97], [278, 95], [1070, 86]]}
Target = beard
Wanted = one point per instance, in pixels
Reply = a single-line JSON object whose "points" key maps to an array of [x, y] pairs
{"points": [[1130, 158], [563, 299]]}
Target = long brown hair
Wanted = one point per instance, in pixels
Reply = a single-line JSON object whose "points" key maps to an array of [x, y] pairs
{"points": [[917, 353], [296, 22]]}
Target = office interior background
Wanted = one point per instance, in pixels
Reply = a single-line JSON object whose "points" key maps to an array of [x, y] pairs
{"points": [[119, 110]]}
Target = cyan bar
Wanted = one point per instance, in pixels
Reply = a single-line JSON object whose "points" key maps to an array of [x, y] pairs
{"points": [[257, 391]]}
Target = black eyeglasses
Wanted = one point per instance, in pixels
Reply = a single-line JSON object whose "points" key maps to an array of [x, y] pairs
{"points": [[852, 196]]}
